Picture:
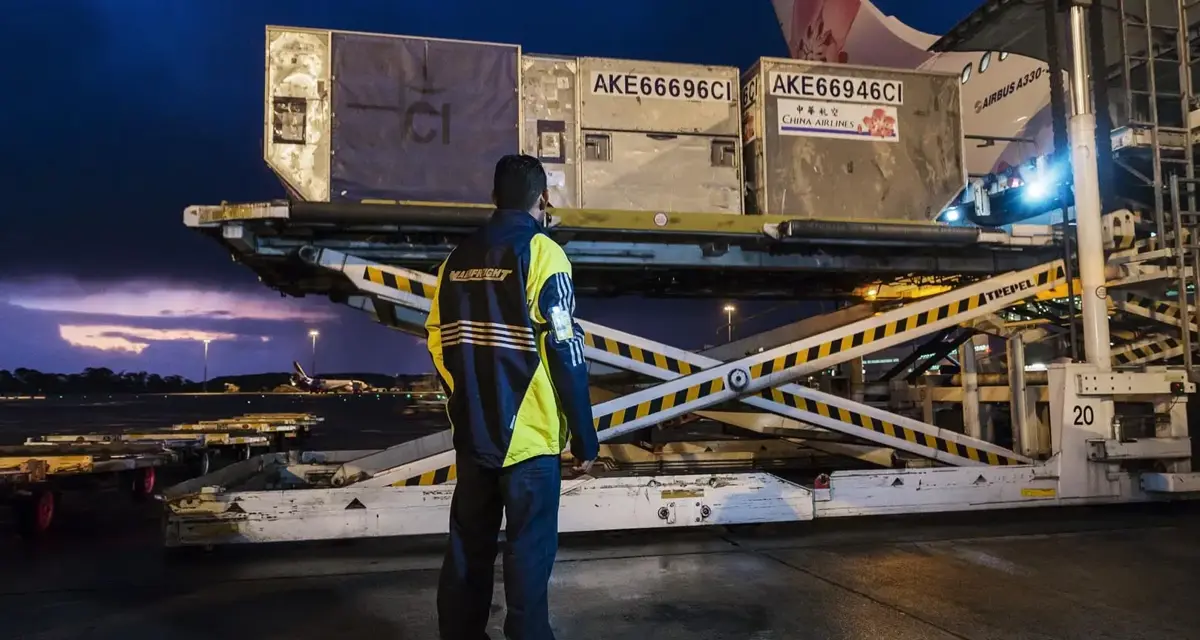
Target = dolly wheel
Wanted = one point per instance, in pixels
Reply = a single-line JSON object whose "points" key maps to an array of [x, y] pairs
{"points": [[142, 483], [35, 514], [201, 464]]}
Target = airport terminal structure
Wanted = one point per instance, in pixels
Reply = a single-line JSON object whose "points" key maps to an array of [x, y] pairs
{"points": [[1054, 265]]}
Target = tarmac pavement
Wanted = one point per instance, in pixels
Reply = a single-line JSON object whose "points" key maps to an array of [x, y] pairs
{"points": [[1120, 573]]}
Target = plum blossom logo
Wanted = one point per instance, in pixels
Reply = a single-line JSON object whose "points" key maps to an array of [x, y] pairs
{"points": [[818, 44], [879, 124]]}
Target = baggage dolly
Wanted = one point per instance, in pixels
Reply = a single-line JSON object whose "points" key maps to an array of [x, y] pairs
{"points": [[33, 478]]}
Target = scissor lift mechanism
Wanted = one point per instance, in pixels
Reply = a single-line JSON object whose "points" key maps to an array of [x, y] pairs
{"points": [[404, 490]]}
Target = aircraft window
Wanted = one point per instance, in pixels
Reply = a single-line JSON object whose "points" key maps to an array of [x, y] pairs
{"points": [[985, 61], [966, 74], [1003, 55]]}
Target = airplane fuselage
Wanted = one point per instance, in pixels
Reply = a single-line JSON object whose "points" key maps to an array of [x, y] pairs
{"points": [[1005, 97], [1006, 107]]}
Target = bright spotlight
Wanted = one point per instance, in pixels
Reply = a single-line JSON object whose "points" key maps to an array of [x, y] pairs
{"points": [[952, 215], [1036, 190]]}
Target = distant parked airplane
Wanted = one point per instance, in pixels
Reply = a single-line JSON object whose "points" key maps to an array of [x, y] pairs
{"points": [[320, 385]]}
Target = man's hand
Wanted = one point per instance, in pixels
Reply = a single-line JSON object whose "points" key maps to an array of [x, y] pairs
{"points": [[580, 468]]}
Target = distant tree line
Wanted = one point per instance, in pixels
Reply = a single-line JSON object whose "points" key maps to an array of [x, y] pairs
{"points": [[90, 380], [22, 381]]}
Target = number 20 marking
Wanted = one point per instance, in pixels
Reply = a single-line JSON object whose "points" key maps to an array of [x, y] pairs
{"points": [[1084, 415]]}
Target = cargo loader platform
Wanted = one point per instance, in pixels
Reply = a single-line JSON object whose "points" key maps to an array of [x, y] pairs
{"points": [[822, 191], [399, 491], [629, 252]]}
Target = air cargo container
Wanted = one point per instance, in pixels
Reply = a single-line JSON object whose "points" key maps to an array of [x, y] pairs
{"points": [[356, 117], [635, 135], [833, 141], [550, 107]]}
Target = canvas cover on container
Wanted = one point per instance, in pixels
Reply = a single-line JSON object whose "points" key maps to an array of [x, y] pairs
{"points": [[353, 117], [420, 119], [844, 142]]}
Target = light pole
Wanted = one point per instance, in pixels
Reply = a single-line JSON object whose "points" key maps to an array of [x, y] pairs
{"points": [[314, 334], [205, 388], [729, 309]]}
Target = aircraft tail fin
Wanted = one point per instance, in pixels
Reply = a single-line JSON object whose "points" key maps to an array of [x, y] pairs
{"points": [[850, 32]]}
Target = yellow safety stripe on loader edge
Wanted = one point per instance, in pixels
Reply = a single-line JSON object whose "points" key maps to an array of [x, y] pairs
{"points": [[639, 354], [437, 476], [1137, 353], [886, 428], [399, 283], [1157, 307], [890, 329], [654, 405]]}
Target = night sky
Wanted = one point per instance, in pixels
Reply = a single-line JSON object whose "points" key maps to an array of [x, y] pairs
{"points": [[119, 113]]}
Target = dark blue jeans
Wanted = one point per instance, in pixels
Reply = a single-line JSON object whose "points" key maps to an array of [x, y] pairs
{"points": [[527, 493]]}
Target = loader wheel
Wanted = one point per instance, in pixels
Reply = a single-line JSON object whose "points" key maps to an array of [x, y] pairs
{"points": [[35, 514]]}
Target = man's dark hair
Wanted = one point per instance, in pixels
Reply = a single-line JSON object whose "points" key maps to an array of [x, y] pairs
{"points": [[520, 181]]}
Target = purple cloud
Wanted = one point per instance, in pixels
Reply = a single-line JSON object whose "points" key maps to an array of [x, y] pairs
{"points": [[148, 299]]}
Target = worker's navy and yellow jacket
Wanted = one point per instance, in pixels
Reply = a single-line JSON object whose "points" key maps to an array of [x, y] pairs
{"points": [[506, 346]]}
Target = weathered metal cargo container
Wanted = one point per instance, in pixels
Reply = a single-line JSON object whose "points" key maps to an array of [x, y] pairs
{"points": [[837, 141], [550, 106], [354, 116], [635, 135]]}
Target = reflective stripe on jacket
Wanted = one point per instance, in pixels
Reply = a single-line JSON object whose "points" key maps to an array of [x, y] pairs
{"points": [[506, 346]]}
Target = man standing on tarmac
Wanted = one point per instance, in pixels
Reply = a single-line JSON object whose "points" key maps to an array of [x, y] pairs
{"points": [[510, 357]]}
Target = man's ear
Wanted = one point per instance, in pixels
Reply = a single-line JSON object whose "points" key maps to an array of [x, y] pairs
{"points": [[546, 198]]}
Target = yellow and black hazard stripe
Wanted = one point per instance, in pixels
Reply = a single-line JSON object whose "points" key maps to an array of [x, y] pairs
{"points": [[661, 403], [399, 283], [889, 329], [1157, 307], [1146, 352], [430, 478], [638, 354], [887, 428]]}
